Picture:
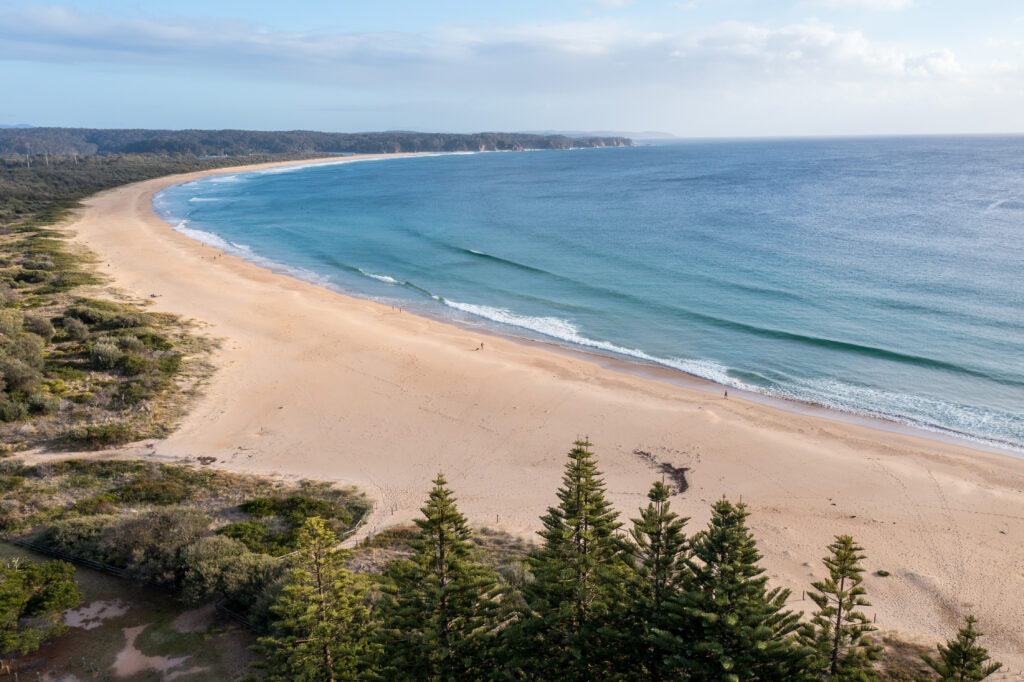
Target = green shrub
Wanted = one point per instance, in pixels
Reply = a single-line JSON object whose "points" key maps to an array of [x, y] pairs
{"points": [[31, 276], [255, 535], [105, 354], [7, 294], [261, 506], [133, 365], [104, 503], [10, 323], [75, 329], [12, 411], [39, 325], [150, 489], [42, 403], [69, 373], [153, 339], [298, 508], [102, 435], [105, 314], [207, 567], [130, 342], [18, 375], [133, 392], [170, 364], [149, 545], [9, 483], [79, 536]]}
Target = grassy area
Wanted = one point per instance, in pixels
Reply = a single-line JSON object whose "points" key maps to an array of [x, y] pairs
{"points": [[33, 497]]}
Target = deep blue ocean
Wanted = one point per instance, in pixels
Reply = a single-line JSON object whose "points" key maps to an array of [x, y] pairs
{"points": [[876, 276]]}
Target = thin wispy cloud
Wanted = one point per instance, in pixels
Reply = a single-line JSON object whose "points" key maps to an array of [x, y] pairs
{"points": [[675, 75], [601, 50], [865, 4]]}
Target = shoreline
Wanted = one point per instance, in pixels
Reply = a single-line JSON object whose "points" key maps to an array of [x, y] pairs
{"points": [[608, 359], [313, 383]]}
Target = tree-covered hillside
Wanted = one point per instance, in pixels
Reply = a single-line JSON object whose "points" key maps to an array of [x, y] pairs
{"points": [[26, 142]]}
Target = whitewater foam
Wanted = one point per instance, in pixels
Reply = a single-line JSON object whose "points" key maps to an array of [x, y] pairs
{"points": [[380, 278], [246, 253]]}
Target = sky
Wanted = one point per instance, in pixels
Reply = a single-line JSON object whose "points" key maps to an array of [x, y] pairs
{"points": [[692, 68]]}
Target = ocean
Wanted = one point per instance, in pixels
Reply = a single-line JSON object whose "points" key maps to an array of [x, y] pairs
{"points": [[876, 276]]}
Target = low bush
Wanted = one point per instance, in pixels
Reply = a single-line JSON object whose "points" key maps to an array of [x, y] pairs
{"points": [[11, 411], [133, 365], [105, 314], [40, 326], [101, 435], [9, 483], [255, 535], [42, 403], [104, 503], [75, 329], [148, 489], [130, 342], [105, 354], [19, 375]]}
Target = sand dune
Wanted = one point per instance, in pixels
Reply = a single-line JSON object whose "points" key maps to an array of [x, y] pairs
{"points": [[315, 384]]}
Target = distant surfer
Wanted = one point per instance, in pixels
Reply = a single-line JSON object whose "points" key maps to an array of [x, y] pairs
{"points": [[726, 394]]}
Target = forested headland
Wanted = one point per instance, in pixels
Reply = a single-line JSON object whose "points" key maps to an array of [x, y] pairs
{"points": [[19, 143]]}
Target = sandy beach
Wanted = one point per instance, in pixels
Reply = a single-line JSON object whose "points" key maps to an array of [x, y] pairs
{"points": [[315, 384]]}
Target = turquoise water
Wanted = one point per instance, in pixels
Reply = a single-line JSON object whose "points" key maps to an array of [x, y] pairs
{"points": [[875, 276]]}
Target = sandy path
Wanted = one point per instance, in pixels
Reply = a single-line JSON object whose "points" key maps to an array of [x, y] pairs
{"points": [[316, 384]]}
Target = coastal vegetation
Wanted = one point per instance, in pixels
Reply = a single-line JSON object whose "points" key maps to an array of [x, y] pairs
{"points": [[171, 525], [591, 603], [80, 365], [41, 143], [595, 599], [33, 597]]}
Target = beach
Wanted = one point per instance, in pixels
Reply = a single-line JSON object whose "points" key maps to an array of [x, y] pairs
{"points": [[314, 384]]}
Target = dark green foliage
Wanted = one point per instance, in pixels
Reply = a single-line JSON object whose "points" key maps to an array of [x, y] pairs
{"points": [[255, 535], [75, 329], [101, 435], [580, 574], [183, 146], [837, 630], [39, 325], [133, 365], [105, 503], [21, 362], [963, 659], [437, 615], [42, 403], [217, 567], [660, 551], [154, 489], [728, 625], [276, 522], [11, 411], [32, 599], [104, 315], [320, 629]]}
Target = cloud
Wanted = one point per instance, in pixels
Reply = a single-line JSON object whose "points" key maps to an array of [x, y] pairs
{"points": [[556, 56], [866, 4]]}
